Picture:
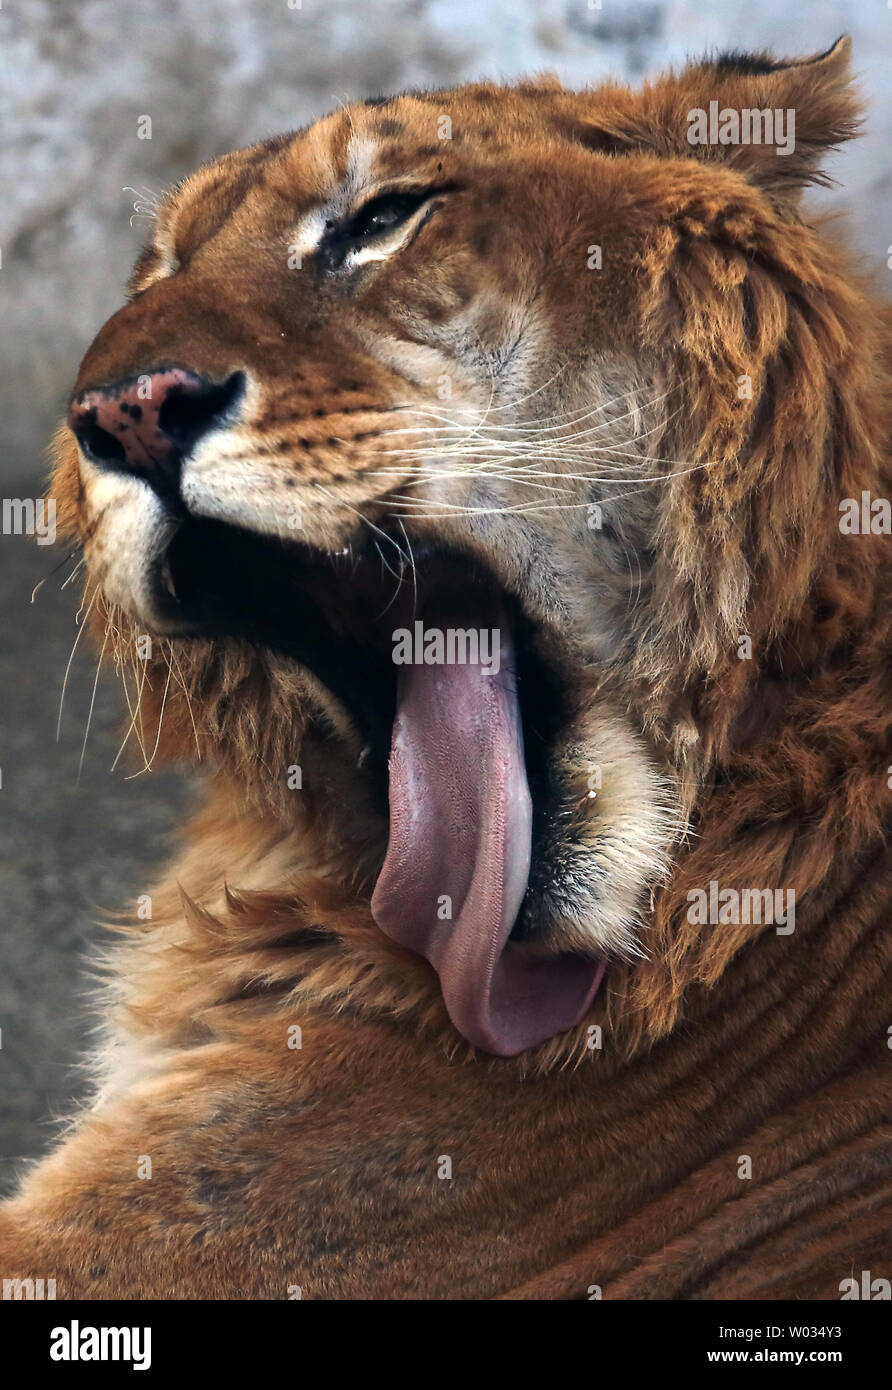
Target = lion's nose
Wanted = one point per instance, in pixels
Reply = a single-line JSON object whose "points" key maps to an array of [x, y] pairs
{"points": [[146, 425]]}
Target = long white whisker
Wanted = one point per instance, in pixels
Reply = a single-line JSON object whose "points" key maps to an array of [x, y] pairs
{"points": [[151, 758], [181, 679], [133, 712], [79, 634], [558, 443], [568, 418], [412, 561], [92, 704]]}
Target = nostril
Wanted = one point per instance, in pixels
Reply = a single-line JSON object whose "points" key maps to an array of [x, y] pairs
{"points": [[98, 444], [187, 412], [149, 434]]}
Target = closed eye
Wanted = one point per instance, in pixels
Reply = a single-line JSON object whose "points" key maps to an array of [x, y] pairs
{"points": [[384, 214], [380, 227]]}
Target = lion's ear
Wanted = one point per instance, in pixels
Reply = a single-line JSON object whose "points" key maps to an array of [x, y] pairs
{"points": [[773, 120]]}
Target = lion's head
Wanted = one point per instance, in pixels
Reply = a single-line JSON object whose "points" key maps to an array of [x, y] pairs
{"points": [[517, 380]]}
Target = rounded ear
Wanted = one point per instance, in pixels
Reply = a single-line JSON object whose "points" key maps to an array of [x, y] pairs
{"points": [[773, 120]]}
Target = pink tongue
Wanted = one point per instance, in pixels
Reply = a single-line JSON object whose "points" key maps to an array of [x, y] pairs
{"points": [[459, 853]]}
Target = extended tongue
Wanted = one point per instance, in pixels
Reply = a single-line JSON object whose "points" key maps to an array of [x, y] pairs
{"points": [[458, 857]]}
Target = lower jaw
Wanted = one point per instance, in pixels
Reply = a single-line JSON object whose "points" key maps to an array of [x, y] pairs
{"points": [[502, 996]]}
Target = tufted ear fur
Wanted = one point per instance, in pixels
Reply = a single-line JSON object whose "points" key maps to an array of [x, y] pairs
{"points": [[774, 121]]}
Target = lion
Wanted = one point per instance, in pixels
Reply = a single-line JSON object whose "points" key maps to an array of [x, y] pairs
{"points": [[461, 487]]}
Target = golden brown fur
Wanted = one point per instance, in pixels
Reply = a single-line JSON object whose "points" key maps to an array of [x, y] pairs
{"points": [[573, 1166]]}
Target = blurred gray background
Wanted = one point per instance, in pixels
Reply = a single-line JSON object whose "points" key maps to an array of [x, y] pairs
{"points": [[74, 81]]}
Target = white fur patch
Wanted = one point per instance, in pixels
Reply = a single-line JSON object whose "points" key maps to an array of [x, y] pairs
{"points": [[134, 529]]}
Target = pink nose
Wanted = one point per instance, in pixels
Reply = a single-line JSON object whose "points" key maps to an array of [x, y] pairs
{"points": [[145, 426]]}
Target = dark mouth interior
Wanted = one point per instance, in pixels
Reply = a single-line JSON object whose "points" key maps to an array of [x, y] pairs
{"points": [[284, 596], [335, 614], [459, 746]]}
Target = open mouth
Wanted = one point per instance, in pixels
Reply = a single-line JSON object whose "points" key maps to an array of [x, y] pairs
{"points": [[436, 667]]}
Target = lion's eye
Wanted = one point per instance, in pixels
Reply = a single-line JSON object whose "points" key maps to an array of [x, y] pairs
{"points": [[383, 214], [379, 227]]}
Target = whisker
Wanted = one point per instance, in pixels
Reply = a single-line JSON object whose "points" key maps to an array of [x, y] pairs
{"points": [[185, 688], [540, 427], [568, 417], [414, 570], [80, 765], [151, 758], [390, 571], [78, 635], [55, 570], [365, 519], [73, 573], [559, 443], [135, 712]]}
